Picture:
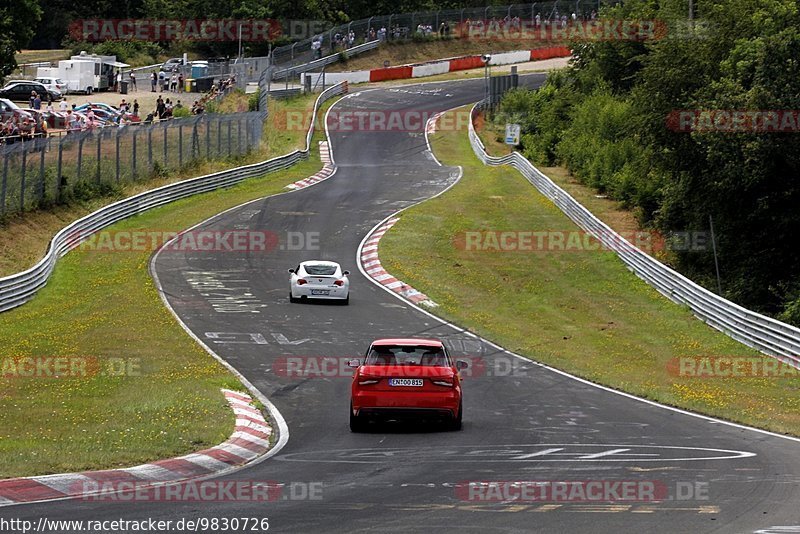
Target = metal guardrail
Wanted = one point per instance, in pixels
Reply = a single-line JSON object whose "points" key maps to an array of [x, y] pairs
{"points": [[18, 288], [760, 332], [321, 62]]}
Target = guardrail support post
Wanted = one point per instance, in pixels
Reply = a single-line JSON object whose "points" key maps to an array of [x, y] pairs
{"points": [[166, 157], [229, 138], [180, 145], [149, 148]]}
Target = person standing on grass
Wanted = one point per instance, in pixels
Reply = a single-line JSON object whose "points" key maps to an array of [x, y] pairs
{"points": [[132, 81], [152, 82], [180, 82], [119, 81], [135, 107], [62, 106]]}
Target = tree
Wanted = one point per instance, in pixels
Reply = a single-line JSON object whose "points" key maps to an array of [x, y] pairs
{"points": [[17, 25]]}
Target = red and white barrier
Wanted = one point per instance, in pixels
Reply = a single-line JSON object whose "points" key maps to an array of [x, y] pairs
{"points": [[433, 68]]}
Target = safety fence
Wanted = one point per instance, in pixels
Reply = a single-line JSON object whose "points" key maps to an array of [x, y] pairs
{"points": [[404, 26], [758, 331], [21, 287], [47, 170]]}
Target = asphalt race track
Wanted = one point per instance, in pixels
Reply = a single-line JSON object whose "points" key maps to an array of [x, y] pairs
{"points": [[528, 423]]}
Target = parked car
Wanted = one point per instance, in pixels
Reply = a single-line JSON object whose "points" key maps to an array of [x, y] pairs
{"points": [[53, 84], [20, 91], [9, 109], [172, 64], [97, 105]]}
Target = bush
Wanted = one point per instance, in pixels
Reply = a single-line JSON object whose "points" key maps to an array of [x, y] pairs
{"points": [[181, 112]]}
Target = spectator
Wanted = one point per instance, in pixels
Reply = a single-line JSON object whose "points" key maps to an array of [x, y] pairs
{"points": [[180, 82], [40, 128], [153, 79], [161, 81], [72, 122], [32, 98], [316, 47], [132, 78], [160, 108], [37, 101], [135, 107], [123, 106], [173, 83], [50, 108], [178, 104], [118, 86], [62, 106]]}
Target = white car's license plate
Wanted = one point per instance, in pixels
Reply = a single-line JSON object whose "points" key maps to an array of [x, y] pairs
{"points": [[405, 382], [320, 292]]}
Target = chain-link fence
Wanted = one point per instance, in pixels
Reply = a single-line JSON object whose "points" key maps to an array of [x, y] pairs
{"points": [[404, 25], [53, 169]]}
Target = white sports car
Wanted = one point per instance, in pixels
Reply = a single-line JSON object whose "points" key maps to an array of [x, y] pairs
{"points": [[319, 279]]}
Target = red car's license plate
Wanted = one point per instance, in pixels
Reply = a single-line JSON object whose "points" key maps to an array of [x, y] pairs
{"points": [[405, 382]]}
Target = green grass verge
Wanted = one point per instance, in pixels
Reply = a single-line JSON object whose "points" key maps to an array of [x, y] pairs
{"points": [[103, 306], [582, 312]]}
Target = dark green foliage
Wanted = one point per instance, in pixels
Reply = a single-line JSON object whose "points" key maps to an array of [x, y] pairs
{"points": [[606, 119]]}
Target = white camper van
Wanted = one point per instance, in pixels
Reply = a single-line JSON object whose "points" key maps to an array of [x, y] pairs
{"points": [[87, 73]]}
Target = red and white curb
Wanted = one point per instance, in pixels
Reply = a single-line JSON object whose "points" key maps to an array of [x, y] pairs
{"points": [[249, 441], [430, 126], [323, 174], [372, 266]]}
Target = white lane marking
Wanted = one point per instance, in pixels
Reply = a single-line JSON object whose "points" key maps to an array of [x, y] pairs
{"points": [[283, 340], [234, 338], [538, 453], [602, 454]]}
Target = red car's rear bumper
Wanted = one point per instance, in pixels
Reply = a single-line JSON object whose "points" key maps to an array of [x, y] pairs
{"points": [[407, 403]]}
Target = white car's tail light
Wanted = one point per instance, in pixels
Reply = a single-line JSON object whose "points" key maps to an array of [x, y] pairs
{"points": [[301, 281], [442, 382], [339, 283]]}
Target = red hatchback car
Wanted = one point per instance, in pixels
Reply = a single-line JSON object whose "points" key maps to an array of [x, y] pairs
{"points": [[403, 379]]}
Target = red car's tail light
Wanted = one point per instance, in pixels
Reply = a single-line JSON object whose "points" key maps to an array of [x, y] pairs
{"points": [[339, 283], [367, 381], [446, 383], [300, 281]]}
